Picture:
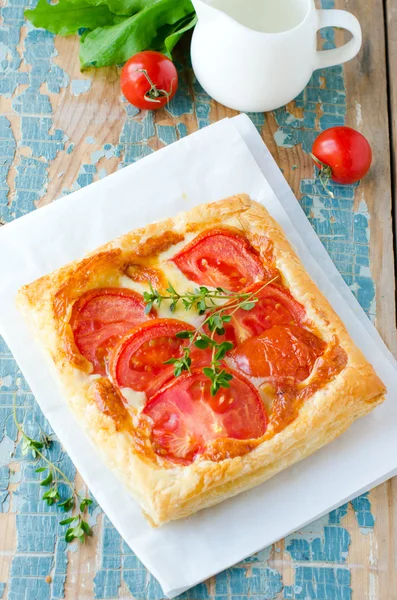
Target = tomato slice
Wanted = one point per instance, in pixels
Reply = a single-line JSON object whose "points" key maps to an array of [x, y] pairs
{"points": [[280, 352], [275, 306], [220, 258], [186, 417], [101, 317], [137, 361]]}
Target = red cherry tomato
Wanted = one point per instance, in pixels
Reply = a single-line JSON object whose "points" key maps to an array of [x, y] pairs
{"points": [[186, 417], [275, 306], [220, 258], [280, 352], [343, 154], [101, 317], [138, 359], [149, 80]]}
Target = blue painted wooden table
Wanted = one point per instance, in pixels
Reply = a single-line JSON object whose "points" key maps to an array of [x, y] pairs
{"points": [[61, 130]]}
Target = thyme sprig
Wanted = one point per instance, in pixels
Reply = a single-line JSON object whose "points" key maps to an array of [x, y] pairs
{"points": [[54, 476], [202, 300]]}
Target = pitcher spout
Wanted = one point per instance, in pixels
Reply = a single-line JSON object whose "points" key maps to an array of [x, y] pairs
{"points": [[204, 9]]}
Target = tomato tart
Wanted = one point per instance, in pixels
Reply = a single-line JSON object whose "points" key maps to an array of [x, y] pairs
{"points": [[199, 356]]}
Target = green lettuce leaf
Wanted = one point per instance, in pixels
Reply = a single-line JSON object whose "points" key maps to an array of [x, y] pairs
{"points": [[117, 43], [173, 38], [169, 35], [125, 7], [68, 16]]}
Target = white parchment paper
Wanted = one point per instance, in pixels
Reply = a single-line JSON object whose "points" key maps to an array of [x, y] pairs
{"points": [[226, 158]]}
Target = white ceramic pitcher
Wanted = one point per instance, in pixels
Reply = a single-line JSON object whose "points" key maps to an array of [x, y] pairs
{"points": [[257, 55]]}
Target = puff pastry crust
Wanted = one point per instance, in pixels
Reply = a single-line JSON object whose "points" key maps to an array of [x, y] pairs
{"points": [[171, 491]]}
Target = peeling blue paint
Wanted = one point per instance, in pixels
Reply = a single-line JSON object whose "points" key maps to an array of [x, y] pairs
{"points": [[10, 59], [108, 578], [345, 235], [312, 583], [167, 134], [30, 184], [4, 494], [118, 561], [236, 583], [332, 545], [80, 86], [33, 104], [182, 103], [182, 130], [85, 177], [39, 51], [335, 516], [36, 135], [7, 151], [362, 509], [108, 151]]}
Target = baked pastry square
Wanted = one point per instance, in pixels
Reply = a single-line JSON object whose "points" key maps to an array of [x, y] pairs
{"points": [[199, 356]]}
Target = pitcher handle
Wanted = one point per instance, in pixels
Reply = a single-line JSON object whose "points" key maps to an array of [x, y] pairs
{"points": [[337, 56]]}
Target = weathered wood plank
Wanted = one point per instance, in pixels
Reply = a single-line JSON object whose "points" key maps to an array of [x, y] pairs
{"points": [[391, 39], [367, 111]]}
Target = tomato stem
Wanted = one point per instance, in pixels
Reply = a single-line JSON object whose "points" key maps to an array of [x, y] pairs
{"points": [[154, 93], [324, 174]]}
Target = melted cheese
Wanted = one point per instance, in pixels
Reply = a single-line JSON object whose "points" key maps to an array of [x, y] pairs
{"points": [[180, 283], [134, 399]]}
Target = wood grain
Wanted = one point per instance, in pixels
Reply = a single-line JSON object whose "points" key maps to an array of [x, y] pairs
{"points": [[367, 111], [391, 49]]}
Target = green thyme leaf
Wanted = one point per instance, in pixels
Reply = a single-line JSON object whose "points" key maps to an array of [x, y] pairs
{"points": [[67, 521], [209, 372], [223, 349], [201, 343], [48, 479], [67, 504], [171, 290], [171, 361], [86, 528], [247, 305], [84, 503], [184, 335], [148, 307]]}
